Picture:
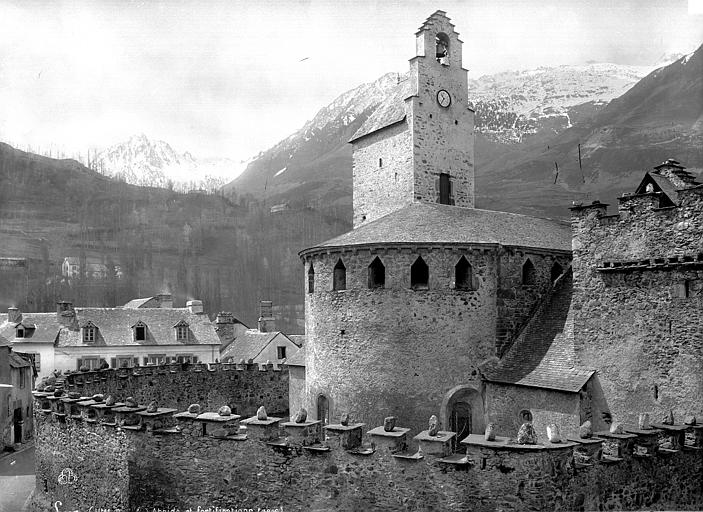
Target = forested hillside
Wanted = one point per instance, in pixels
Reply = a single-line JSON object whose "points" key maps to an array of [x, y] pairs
{"points": [[228, 252]]}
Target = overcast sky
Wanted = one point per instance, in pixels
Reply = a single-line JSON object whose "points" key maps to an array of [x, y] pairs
{"points": [[227, 78]]}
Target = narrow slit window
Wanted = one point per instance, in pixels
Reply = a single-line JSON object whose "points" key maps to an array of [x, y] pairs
{"points": [[419, 275], [444, 189], [377, 274], [340, 276]]}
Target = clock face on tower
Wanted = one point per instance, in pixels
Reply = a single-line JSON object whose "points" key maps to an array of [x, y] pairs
{"points": [[443, 98]]}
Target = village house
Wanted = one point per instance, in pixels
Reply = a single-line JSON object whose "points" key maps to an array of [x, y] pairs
{"points": [[16, 384], [144, 331], [264, 344]]}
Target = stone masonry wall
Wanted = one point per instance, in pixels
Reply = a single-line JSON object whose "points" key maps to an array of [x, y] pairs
{"points": [[380, 352], [504, 403], [180, 468], [243, 387], [443, 137], [382, 187], [640, 322]]}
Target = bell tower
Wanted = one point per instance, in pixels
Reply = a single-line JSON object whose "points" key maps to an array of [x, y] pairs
{"points": [[418, 146], [442, 123]]}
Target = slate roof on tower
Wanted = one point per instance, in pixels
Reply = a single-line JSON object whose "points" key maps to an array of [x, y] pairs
{"points": [[387, 113], [424, 223], [115, 327]]}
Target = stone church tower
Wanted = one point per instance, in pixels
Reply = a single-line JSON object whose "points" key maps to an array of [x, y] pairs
{"points": [[419, 146], [401, 311]]}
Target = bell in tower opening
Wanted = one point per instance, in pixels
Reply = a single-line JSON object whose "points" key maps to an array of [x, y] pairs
{"points": [[442, 49]]}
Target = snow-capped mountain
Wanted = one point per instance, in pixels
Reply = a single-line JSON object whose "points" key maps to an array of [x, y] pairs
{"points": [[513, 105], [155, 163]]}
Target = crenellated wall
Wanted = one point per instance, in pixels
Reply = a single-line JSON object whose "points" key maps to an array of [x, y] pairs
{"points": [[638, 281], [242, 387], [139, 460]]}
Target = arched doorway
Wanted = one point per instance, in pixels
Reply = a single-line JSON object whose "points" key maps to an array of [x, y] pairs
{"points": [[323, 409], [462, 411], [460, 419]]}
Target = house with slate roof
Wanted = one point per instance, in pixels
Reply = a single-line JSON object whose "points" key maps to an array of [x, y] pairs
{"points": [[143, 331], [16, 384], [264, 344]]}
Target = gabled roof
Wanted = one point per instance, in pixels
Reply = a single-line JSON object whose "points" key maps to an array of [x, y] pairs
{"points": [[388, 113], [140, 303], [425, 223], [298, 339], [46, 328], [250, 344], [543, 356], [661, 184], [17, 361], [115, 327]]}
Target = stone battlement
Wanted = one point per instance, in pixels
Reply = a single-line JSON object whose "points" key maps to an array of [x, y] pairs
{"points": [[172, 459], [242, 386]]}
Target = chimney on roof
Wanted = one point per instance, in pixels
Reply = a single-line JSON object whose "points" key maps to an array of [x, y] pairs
{"points": [[14, 315], [676, 173], [65, 313], [165, 300], [195, 306], [224, 326], [267, 322], [224, 317]]}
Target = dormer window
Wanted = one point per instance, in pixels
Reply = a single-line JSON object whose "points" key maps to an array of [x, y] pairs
{"points": [[89, 332], [19, 333], [181, 330], [139, 330]]}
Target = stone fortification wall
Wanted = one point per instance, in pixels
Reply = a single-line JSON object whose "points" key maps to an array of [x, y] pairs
{"points": [[242, 387], [382, 173], [394, 350], [189, 460], [639, 307]]}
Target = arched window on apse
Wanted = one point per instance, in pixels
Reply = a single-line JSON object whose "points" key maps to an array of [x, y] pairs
{"points": [[463, 275], [529, 274], [339, 281], [311, 279], [377, 274], [556, 271], [419, 275]]}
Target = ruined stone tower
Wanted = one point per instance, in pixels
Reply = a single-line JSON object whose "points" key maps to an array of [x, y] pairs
{"points": [[419, 147]]}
